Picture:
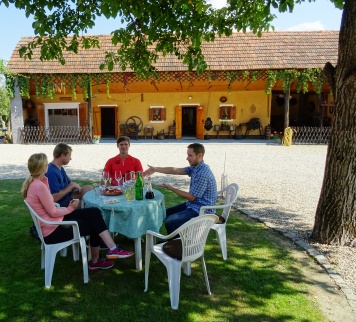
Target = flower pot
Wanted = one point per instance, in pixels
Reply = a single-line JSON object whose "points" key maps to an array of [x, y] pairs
{"points": [[95, 141], [216, 127], [232, 128], [278, 141], [238, 133]]}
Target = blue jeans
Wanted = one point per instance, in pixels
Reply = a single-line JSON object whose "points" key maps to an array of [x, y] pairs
{"points": [[177, 215]]}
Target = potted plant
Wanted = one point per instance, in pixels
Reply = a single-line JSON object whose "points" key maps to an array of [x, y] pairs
{"points": [[160, 135], [7, 139], [226, 116], [96, 138], [277, 137], [224, 126]]}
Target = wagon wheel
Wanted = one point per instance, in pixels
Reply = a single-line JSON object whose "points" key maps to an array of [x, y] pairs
{"points": [[134, 124]]}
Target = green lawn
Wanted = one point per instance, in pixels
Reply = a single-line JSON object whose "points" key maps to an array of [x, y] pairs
{"points": [[260, 280]]}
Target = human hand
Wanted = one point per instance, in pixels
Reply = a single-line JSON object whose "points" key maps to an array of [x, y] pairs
{"points": [[151, 169], [74, 203], [165, 185], [74, 186]]}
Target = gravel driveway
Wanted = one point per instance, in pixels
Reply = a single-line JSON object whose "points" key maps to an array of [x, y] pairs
{"points": [[280, 184]]}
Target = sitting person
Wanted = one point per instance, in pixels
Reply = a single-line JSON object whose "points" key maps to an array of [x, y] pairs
{"points": [[123, 162], [202, 190], [62, 188], [36, 191]]}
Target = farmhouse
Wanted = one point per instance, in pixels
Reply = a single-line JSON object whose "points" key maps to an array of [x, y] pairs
{"points": [[275, 80]]}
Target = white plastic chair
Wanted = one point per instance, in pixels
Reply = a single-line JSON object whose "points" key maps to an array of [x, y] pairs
{"points": [[49, 251], [176, 252], [230, 193]]}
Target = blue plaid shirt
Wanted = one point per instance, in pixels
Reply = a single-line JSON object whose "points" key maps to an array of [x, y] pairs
{"points": [[202, 186]]}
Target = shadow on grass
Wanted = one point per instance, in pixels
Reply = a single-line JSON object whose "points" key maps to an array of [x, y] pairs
{"points": [[258, 282]]}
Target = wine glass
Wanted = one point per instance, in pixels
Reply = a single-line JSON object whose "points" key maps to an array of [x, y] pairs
{"points": [[130, 176], [133, 176], [106, 177], [118, 177], [101, 186]]}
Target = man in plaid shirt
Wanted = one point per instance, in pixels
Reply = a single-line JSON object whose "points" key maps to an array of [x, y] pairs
{"points": [[202, 190]]}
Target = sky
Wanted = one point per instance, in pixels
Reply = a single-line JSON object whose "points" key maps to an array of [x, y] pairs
{"points": [[320, 15]]}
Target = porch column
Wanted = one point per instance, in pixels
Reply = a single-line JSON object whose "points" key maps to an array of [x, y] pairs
{"points": [[16, 115], [286, 109], [90, 114]]}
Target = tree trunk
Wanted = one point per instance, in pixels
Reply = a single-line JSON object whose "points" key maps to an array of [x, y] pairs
{"points": [[335, 219]]}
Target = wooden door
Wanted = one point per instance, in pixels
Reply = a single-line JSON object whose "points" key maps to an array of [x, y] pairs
{"points": [[117, 122], [97, 120], [178, 116], [83, 114], [200, 123], [41, 114]]}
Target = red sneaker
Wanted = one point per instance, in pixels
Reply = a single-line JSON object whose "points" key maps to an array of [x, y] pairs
{"points": [[101, 263], [118, 253]]}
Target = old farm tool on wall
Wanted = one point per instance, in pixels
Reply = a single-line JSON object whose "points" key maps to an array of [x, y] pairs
{"points": [[133, 126], [253, 124]]}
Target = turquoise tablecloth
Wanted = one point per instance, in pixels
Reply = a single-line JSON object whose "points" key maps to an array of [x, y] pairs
{"points": [[131, 219]]}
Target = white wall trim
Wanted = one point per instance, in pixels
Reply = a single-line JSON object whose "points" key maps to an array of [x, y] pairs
{"points": [[191, 104], [107, 105], [56, 106]]}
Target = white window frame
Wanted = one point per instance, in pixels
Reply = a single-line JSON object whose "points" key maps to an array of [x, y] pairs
{"points": [[156, 107], [226, 105]]}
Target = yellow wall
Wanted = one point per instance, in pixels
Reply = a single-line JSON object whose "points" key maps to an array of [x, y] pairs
{"points": [[249, 104]]}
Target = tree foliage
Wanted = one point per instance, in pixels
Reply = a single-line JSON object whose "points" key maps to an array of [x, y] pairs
{"points": [[4, 94], [148, 28]]}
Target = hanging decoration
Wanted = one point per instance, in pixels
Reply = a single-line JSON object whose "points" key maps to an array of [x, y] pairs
{"points": [[208, 124]]}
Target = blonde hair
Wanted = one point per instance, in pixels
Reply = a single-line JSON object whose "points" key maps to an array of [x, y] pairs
{"points": [[35, 164]]}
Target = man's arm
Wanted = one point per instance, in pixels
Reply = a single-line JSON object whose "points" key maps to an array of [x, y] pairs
{"points": [[165, 170], [61, 193], [181, 193]]}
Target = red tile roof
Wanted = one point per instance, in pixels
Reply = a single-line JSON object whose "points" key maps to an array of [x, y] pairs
{"points": [[274, 50]]}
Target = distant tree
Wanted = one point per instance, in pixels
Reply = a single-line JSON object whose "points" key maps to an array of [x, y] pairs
{"points": [[178, 27], [4, 95]]}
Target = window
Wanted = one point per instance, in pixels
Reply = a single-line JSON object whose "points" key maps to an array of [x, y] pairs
{"points": [[157, 114], [227, 112]]}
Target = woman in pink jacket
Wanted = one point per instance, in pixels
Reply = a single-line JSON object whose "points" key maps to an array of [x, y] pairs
{"points": [[36, 191]]}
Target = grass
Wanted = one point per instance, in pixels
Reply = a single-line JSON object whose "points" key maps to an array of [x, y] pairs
{"points": [[260, 280]]}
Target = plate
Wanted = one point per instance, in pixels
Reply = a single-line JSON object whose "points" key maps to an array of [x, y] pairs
{"points": [[112, 192]]}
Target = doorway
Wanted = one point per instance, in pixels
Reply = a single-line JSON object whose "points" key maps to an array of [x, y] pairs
{"points": [[108, 122], [189, 121]]}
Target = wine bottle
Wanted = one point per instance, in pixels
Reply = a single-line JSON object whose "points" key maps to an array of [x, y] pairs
{"points": [[139, 187]]}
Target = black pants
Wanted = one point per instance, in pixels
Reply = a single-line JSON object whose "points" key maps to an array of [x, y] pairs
{"points": [[90, 222]]}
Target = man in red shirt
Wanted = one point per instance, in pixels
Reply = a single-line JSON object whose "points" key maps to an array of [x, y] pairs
{"points": [[123, 161]]}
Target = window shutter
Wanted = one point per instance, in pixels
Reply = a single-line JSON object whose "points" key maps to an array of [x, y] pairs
{"points": [[163, 114], [221, 113], [233, 112], [150, 114]]}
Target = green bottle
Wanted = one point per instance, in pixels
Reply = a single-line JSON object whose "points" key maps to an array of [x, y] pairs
{"points": [[139, 187]]}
